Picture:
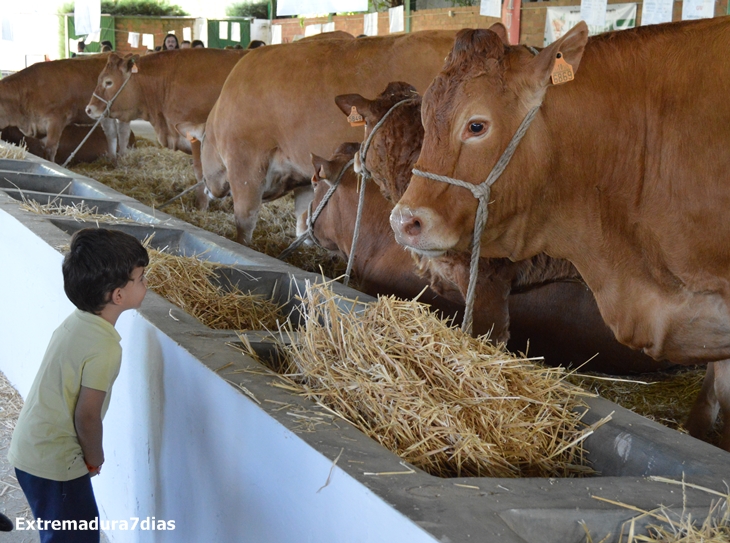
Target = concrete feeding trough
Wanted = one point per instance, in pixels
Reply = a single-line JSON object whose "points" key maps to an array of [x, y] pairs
{"points": [[200, 434]]}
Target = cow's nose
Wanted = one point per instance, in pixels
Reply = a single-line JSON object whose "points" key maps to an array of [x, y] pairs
{"points": [[406, 224], [89, 111]]}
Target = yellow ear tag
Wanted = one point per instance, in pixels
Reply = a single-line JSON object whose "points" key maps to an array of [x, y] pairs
{"points": [[562, 71], [135, 69], [354, 118]]}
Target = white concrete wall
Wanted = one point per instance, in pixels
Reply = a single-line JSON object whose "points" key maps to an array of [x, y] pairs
{"points": [[181, 444]]}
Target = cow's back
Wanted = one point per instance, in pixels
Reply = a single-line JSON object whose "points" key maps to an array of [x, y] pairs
{"points": [[285, 93]]}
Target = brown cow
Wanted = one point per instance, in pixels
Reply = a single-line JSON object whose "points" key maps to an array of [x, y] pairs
{"points": [[276, 107], [44, 98], [543, 301], [167, 89], [93, 148], [623, 172]]}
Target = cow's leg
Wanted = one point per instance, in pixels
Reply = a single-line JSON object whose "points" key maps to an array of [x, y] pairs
{"points": [[109, 126], [706, 406], [123, 132], [302, 198], [51, 140], [201, 198], [247, 200]]}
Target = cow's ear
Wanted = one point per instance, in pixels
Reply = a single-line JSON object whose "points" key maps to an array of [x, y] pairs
{"points": [[569, 48], [347, 101], [320, 171], [191, 131], [500, 30]]}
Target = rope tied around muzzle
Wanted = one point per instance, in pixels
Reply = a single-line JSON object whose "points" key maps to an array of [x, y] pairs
{"points": [[482, 193], [104, 115]]}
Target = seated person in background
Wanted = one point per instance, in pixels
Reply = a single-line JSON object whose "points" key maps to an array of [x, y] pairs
{"points": [[256, 43], [198, 44], [170, 42], [106, 43], [106, 49], [185, 44]]}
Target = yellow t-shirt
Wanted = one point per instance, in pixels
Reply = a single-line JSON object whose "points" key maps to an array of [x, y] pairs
{"points": [[84, 350]]}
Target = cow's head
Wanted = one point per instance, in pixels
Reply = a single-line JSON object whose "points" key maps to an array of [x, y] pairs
{"points": [[326, 228], [470, 113], [396, 144], [115, 74]]}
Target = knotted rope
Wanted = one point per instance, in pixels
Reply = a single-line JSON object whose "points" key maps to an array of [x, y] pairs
{"points": [[103, 116], [481, 192]]}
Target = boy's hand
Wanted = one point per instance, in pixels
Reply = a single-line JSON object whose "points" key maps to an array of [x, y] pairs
{"points": [[93, 470], [87, 418]]}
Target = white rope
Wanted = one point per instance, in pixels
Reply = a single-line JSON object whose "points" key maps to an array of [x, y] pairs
{"points": [[481, 193], [103, 115]]}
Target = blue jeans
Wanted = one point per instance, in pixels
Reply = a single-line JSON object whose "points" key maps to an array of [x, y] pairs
{"points": [[63, 501]]}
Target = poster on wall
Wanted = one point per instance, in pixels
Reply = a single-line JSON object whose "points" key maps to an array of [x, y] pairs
{"points": [[370, 24], [561, 19], [593, 12], [698, 9], [396, 19], [655, 12], [308, 7], [490, 8]]}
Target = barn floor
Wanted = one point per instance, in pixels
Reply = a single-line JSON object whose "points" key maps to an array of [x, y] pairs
{"points": [[12, 500]]}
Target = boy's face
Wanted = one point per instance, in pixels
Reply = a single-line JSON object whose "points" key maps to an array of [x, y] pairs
{"points": [[134, 291]]}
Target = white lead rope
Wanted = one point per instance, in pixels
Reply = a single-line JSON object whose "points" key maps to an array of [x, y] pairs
{"points": [[105, 114], [481, 192]]}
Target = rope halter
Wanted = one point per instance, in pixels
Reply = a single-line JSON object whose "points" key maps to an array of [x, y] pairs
{"points": [[312, 217], [482, 192]]}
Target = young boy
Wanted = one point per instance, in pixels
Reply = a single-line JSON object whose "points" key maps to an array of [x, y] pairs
{"points": [[57, 443]]}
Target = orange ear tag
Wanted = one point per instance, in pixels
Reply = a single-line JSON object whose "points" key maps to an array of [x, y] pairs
{"points": [[354, 118], [135, 69], [562, 71]]}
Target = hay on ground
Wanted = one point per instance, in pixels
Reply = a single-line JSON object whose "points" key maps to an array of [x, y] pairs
{"points": [[80, 212], [448, 403]]}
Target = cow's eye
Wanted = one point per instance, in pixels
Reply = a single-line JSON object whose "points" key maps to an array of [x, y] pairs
{"points": [[475, 128], [108, 83]]}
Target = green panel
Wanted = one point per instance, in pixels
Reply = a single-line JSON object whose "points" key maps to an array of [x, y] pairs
{"points": [[107, 33], [214, 25]]}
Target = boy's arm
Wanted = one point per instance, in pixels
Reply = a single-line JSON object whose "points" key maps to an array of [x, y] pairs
{"points": [[87, 418]]}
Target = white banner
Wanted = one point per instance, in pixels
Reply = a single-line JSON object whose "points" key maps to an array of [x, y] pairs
{"points": [[655, 12], [312, 30], [223, 30], [328, 27], [235, 31], [560, 20], [275, 34], [261, 30], [490, 8], [148, 41], [370, 24], [187, 33], [309, 7], [593, 12], [396, 19], [87, 16], [133, 39], [698, 9]]}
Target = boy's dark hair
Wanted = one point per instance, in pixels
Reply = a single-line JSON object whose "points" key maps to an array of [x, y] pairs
{"points": [[99, 262], [198, 43]]}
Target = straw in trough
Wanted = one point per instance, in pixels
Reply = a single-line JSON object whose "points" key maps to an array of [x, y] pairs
{"points": [[192, 285], [448, 403], [80, 212], [8, 150], [667, 526]]}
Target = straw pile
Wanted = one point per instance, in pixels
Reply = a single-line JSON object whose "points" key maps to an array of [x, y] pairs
{"points": [[154, 175], [448, 403], [193, 286], [8, 150]]}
